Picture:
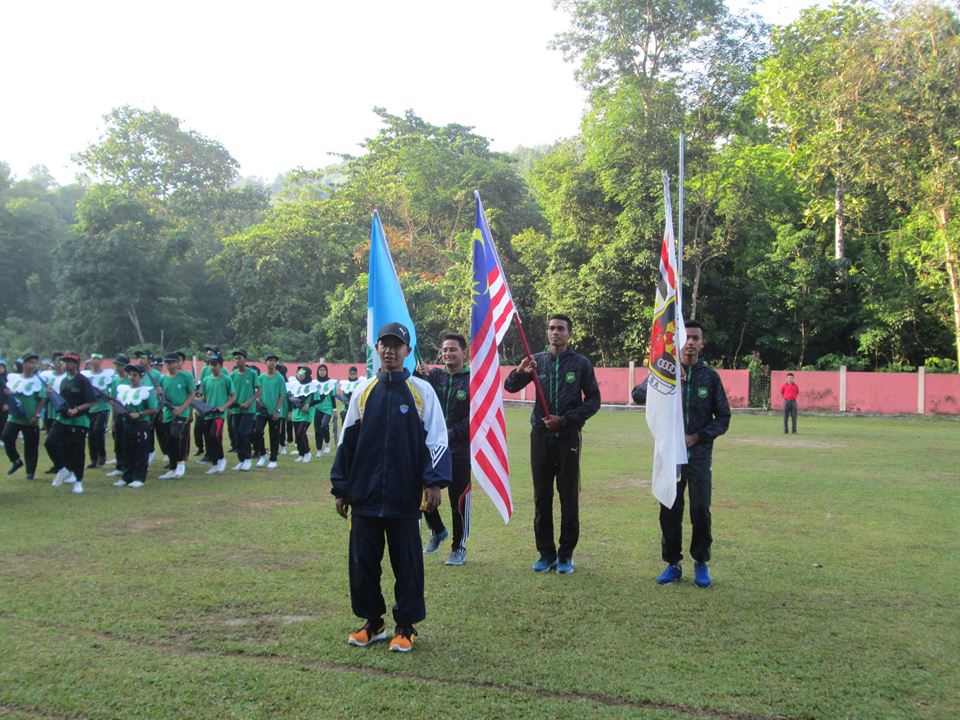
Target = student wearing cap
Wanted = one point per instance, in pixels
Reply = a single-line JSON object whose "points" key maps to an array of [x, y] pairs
{"points": [[301, 388], [325, 405], [151, 378], [23, 416], [199, 427], [66, 440], [3, 384], [217, 390], [99, 413], [52, 377], [141, 403], [286, 427], [178, 392], [392, 458], [244, 410], [273, 395], [120, 362]]}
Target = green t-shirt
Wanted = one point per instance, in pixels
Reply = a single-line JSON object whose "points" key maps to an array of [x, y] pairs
{"points": [[116, 382], [137, 400], [205, 372], [244, 385], [326, 392], [177, 389], [29, 392], [151, 378], [271, 390], [216, 392]]}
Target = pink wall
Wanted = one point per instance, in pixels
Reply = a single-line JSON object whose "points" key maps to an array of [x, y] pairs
{"points": [[942, 394], [881, 392], [819, 390], [736, 383]]}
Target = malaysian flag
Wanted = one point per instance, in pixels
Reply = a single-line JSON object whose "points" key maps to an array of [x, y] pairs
{"points": [[492, 311]]}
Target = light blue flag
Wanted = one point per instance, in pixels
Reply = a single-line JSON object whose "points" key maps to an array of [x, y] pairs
{"points": [[385, 301]]}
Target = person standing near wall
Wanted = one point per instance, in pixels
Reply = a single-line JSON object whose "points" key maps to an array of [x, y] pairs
{"points": [[789, 391]]}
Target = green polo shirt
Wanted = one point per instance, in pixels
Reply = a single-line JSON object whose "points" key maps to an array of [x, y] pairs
{"points": [[244, 385], [271, 390], [177, 389], [216, 392]]}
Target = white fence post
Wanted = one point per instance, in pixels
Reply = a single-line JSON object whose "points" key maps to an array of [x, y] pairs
{"points": [[843, 388], [921, 390], [630, 382]]}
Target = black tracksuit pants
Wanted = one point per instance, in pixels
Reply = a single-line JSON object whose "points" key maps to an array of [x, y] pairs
{"points": [[199, 432], [300, 433], [321, 429], [273, 430], [97, 437], [136, 450], [696, 478], [243, 430], [555, 458], [119, 446], [176, 434], [66, 444], [214, 428], [367, 535], [31, 444], [458, 493]]}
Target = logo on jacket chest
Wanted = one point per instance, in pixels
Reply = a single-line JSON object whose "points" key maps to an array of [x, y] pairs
{"points": [[702, 392], [461, 394], [571, 377], [404, 409]]}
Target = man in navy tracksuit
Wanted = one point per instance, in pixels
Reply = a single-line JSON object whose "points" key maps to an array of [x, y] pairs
{"points": [[392, 458], [573, 397], [452, 385], [706, 416]]}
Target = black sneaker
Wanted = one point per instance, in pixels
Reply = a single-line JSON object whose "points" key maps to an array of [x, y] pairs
{"points": [[17, 464]]}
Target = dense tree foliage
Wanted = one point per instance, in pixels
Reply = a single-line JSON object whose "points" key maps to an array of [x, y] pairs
{"points": [[821, 227]]}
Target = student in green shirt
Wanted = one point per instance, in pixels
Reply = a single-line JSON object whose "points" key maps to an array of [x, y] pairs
{"points": [[140, 402], [179, 391], [273, 391], [325, 404], [301, 414], [67, 437], [218, 391], [99, 413], [199, 426], [29, 394], [244, 412], [120, 362], [151, 378]]}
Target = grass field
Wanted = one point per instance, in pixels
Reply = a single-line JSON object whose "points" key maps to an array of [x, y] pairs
{"points": [[836, 566]]}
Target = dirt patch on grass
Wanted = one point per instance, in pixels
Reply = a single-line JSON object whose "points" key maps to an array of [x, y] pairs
{"points": [[268, 504], [147, 524], [787, 443], [623, 483], [268, 620]]}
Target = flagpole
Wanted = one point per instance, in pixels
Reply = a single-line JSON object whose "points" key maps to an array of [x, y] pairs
{"points": [[680, 230], [536, 377]]}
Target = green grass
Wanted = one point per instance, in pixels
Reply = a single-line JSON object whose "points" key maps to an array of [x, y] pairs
{"points": [[836, 559]]}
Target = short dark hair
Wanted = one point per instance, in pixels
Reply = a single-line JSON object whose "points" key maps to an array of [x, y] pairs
{"points": [[696, 324], [460, 339], [352, 369], [565, 318], [789, 374]]}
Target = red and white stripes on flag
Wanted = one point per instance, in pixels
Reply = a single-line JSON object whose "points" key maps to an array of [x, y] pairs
{"points": [[492, 311]]}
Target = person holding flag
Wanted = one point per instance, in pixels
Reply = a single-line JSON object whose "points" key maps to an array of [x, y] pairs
{"points": [[572, 398], [24, 400], [452, 385]]}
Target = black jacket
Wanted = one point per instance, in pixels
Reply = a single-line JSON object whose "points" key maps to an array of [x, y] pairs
{"points": [[453, 391], [705, 407], [570, 385]]}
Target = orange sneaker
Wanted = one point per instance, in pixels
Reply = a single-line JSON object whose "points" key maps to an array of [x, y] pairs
{"points": [[371, 632], [403, 639]]}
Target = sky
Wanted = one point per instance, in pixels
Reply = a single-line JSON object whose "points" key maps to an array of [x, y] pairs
{"points": [[286, 83]]}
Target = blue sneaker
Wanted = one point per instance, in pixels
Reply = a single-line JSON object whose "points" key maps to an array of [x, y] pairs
{"points": [[701, 577], [457, 557], [433, 544], [565, 566], [546, 562], [670, 573]]}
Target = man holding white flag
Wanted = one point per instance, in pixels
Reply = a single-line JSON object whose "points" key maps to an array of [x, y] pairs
{"points": [[686, 409]]}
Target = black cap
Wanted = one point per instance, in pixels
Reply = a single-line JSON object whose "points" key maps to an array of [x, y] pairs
{"points": [[394, 329], [214, 349], [218, 359], [171, 357], [272, 357], [29, 356], [156, 362], [121, 360], [240, 352], [130, 367], [143, 353]]}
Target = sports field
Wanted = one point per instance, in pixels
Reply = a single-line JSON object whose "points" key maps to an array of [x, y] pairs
{"points": [[836, 568]]}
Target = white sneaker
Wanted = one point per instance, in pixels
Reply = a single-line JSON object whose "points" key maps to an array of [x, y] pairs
{"points": [[77, 487], [299, 458], [169, 475], [214, 470], [136, 484], [246, 465], [307, 458], [59, 477], [326, 449], [263, 460], [70, 479], [283, 449], [112, 462], [150, 458], [115, 473], [238, 466], [181, 469], [319, 453], [120, 483], [272, 466]]}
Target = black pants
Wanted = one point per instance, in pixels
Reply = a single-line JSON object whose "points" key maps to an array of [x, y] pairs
{"points": [[789, 413], [232, 431], [367, 536], [287, 431], [136, 450], [696, 477], [31, 443], [199, 432], [66, 444], [555, 458], [119, 447], [321, 429], [273, 430], [459, 494], [214, 428], [97, 437], [176, 434], [300, 433], [243, 431], [154, 435]]}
